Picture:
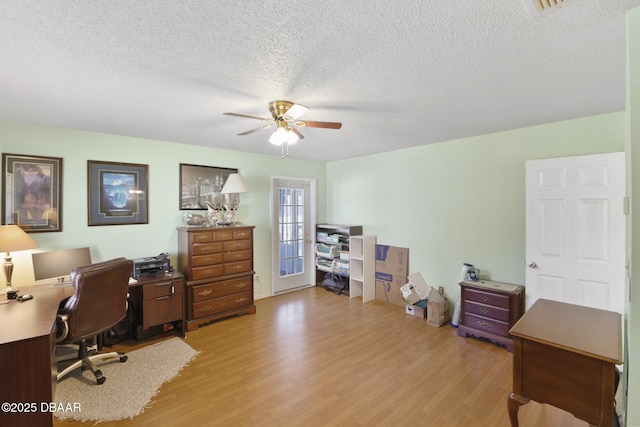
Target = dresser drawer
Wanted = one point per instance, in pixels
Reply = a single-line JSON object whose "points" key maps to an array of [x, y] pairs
{"points": [[487, 298], [206, 248], [215, 290], [199, 273], [237, 256], [201, 237], [488, 325], [238, 245], [208, 259], [218, 305], [487, 311], [238, 267], [242, 234], [222, 235]]}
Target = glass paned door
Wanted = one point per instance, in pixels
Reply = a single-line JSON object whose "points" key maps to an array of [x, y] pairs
{"points": [[292, 255], [291, 231]]}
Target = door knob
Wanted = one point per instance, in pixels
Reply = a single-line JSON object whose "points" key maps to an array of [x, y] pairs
{"points": [[532, 265]]}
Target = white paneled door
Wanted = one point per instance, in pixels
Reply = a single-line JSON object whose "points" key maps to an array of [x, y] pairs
{"points": [[293, 204], [575, 230]]}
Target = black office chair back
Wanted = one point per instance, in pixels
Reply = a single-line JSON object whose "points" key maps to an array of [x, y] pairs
{"points": [[100, 297]]}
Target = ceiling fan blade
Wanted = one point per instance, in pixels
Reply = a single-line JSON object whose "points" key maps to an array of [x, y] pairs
{"points": [[297, 132], [248, 117], [327, 125], [255, 130]]}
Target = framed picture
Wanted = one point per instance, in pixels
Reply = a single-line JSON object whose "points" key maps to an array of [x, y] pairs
{"points": [[201, 184], [32, 192], [118, 193]]}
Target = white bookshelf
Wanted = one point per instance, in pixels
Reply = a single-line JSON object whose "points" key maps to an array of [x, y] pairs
{"points": [[362, 266]]}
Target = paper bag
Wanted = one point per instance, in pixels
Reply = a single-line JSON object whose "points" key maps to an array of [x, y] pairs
{"points": [[437, 309]]}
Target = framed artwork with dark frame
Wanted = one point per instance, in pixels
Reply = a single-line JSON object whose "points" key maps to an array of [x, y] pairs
{"points": [[118, 193], [32, 192], [201, 184]]}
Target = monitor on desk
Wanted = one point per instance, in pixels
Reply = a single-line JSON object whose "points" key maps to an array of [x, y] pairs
{"points": [[58, 264]]}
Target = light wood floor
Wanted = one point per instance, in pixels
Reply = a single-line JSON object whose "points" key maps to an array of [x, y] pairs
{"points": [[313, 358]]}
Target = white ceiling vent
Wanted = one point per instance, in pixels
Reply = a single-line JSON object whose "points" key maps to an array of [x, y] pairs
{"points": [[539, 7]]}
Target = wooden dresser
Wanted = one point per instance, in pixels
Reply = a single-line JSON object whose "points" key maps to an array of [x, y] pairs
{"points": [[489, 310], [218, 265]]}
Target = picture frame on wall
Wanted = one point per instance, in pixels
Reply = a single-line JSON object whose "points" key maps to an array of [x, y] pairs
{"points": [[201, 184], [118, 193], [32, 192]]}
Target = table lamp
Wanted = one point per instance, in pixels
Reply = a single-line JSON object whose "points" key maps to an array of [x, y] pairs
{"points": [[12, 239], [232, 186]]}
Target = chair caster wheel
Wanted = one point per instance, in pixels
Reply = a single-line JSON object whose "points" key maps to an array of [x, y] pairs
{"points": [[101, 380], [123, 358]]}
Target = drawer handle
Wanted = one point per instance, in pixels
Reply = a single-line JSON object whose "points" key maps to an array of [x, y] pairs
{"points": [[208, 271], [485, 311], [202, 237], [238, 267], [207, 248], [205, 292], [241, 285], [484, 298], [243, 234], [207, 308], [485, 324], [161, 298], [243, 299], [207, 259]]}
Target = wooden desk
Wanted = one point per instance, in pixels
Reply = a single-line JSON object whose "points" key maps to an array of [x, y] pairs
{"points": [[565, 355], [27, 361]]}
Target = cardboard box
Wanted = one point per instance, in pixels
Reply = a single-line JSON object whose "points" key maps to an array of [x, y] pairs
{"points": [[388, 288], [392, 267], [419, 309], [392, 260], [415, 290]]}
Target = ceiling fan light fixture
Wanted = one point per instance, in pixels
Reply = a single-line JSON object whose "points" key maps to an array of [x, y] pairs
{"points": [[283, 135]]}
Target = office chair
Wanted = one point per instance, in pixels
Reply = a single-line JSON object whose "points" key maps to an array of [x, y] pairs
{"points": [[99, 302]]}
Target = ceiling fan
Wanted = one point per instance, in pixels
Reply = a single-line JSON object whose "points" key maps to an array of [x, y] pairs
{"points": [[285, 121]]}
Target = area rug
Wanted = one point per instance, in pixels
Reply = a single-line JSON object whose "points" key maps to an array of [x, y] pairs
{"points": [[129, 387]]}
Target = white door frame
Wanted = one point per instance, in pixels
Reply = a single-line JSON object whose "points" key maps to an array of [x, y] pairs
{"points": [[309, 260]]}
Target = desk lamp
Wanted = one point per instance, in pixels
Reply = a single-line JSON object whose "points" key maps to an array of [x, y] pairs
{"points": [[234, 185], [12, 239]]}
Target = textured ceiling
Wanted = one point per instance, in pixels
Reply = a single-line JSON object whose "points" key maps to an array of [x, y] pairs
{"points": [[395, 73]]}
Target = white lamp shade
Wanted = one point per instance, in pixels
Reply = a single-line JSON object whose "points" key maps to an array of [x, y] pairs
{"points": [[234, 184], [13, 238]]}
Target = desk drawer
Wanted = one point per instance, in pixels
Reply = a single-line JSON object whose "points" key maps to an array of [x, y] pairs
{"points": [[484, 324], [162, 289], [487, 311], [487, 298], [218, 305]]}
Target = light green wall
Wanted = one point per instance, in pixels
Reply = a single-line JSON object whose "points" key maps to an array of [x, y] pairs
{"points": [[459, 201], [163, 158], [633, 233]]}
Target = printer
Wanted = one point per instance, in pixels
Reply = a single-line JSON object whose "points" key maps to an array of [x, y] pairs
{"points": [[151, 265]]}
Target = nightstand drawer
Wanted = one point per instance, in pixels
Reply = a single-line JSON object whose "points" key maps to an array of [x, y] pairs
{"points": [[488, 325], [487, 311], [487, 298]]}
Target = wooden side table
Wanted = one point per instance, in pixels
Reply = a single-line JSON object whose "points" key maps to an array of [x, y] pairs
{"points": [[565, 355]]}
